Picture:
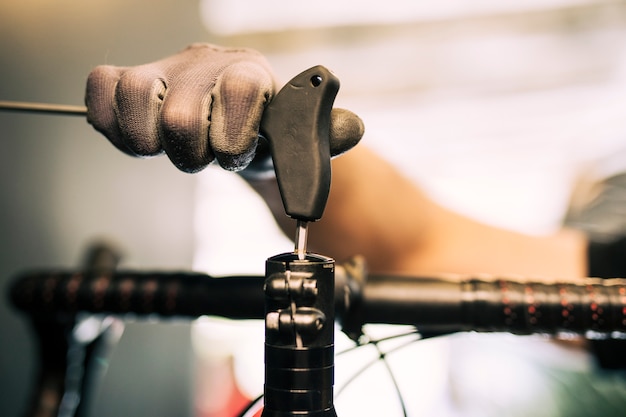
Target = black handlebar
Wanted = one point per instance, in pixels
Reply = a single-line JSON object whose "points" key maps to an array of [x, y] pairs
{"points": [[139, 293], [434, 305], [593, 307]]}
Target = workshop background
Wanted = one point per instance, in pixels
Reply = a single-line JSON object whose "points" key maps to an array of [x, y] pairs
{"points": [[511, 107]]}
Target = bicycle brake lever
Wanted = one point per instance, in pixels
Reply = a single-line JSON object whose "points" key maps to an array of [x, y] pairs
{"points": [[296, 125]]}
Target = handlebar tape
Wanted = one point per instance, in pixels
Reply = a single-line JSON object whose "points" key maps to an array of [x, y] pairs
{"points": [[592, 307], [140, 293]]}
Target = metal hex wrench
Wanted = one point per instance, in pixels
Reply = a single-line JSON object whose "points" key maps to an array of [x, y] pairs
{"points": [[61, 109]]}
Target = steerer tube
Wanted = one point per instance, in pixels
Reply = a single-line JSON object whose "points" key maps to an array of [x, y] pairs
{"points": [[299, 336]]}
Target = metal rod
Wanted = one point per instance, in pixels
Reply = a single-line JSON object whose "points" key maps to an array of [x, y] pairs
{"points": [[301, 238], [43, 108]]}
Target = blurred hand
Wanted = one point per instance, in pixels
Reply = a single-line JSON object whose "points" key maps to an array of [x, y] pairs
{"points": [[204, 103]]}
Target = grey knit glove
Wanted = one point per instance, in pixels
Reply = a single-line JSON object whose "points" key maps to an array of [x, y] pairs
{"points": [[204, 103]]}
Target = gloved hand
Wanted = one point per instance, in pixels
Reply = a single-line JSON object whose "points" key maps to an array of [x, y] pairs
{"points": [[204, 103]]}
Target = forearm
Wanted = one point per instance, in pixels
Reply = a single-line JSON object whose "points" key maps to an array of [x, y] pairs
{"points": [[375, 212], [464, 246]]}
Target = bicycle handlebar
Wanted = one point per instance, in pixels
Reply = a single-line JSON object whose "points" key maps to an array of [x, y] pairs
{"points": [[140, 293], [498, 305], [591, 307]]}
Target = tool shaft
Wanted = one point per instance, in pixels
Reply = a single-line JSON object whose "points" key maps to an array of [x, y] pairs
{"points": [[43, 108], [301, 239]]}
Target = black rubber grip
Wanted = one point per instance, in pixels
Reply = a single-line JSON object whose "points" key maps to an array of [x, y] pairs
{"points": [[140, 293], [594, 306]]}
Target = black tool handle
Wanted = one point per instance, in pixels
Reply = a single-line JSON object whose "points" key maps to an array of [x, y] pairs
{"points": [[297, 124]]}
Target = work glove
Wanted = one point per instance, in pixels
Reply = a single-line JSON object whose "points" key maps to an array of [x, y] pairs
{"points": [[202, 104]]}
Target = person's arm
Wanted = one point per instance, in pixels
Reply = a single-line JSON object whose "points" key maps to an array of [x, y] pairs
{"points": [[206, 102], [375, 212]]}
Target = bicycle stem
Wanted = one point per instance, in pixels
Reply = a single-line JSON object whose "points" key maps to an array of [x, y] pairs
{"points": [[299, 336]]}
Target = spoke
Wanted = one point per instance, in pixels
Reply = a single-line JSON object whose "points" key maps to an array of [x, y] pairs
{"points": [[381, 357]]}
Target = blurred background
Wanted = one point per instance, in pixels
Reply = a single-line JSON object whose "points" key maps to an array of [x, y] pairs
{"points": [[499, 110]]}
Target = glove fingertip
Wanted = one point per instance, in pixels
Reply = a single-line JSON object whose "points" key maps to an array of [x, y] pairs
{"points": [[100, 102], [346, 131], [235, 162]]}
